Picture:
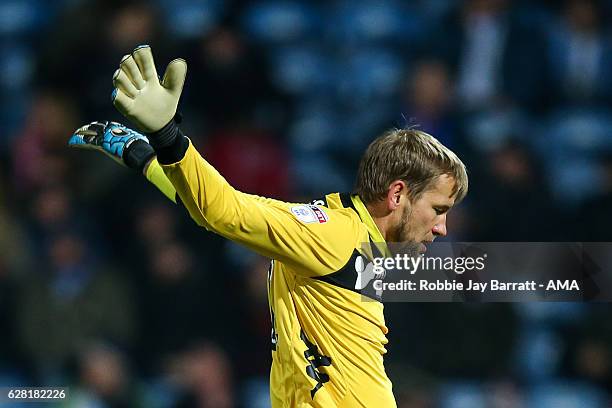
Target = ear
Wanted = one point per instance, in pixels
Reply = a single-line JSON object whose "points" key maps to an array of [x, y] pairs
{"points": [[396, 190]]}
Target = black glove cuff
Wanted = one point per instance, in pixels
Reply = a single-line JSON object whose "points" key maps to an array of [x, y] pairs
{"points": [[169, 142], [137, 154], [165, 136]]}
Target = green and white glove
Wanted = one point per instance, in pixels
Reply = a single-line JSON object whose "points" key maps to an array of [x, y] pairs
{"points": [[140, 96]]}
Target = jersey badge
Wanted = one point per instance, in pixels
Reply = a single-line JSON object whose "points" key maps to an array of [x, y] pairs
{"points": [[309, 214]]}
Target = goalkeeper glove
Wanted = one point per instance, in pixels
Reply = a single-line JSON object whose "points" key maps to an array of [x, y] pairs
{"points": [[141, 97], [122, 144]]}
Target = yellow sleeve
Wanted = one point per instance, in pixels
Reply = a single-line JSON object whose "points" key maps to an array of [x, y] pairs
{"points": [[312, 240], [155, 174]]}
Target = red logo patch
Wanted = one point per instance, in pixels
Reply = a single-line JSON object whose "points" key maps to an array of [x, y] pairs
{"points": [[320, 214]]}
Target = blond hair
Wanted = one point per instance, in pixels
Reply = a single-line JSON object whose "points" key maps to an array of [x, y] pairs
{"points": [[410, 155]]}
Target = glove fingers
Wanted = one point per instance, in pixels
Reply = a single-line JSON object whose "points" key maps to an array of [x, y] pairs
{"points": [[129, 66], [174, 77], [121, 81], [77, 141], [122, 102], [144, 59], [80, 142], [83, 129]]}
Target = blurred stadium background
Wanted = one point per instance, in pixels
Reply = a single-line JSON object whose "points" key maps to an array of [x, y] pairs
{"points": [[108, 288]]}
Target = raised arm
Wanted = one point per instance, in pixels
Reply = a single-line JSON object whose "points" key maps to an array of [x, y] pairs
{"points": [[310, 238]]}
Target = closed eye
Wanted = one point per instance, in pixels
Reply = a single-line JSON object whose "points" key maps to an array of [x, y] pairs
{"points": [[441, 210]]}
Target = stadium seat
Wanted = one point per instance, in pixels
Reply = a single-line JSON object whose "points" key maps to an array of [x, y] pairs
{"points": [[571, 143], [490, 129], [256, 393], [538, 353], [369, 75], [21, 18], [462, 395], [551, 312], [192, 18], [580, 131], [574, 180], [315, 174], [301, 70], [278, 22], [16, 67], [353, 24], [566, 395], [315, 129]]}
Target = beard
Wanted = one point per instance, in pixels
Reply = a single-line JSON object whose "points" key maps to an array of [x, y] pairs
{"points": [[400, 232], [403, 242]]}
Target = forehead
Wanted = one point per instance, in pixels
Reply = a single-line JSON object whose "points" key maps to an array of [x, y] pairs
{"points": [[441, 190]]}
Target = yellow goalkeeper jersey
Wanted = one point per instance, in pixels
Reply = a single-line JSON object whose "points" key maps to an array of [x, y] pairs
{"points": [[328, 340]]}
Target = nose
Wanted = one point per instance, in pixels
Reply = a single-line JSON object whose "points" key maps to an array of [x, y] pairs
{"points": [[440, 228]]}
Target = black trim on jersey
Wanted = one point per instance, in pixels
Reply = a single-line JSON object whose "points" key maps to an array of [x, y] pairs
{"points": [[315, 360], [345, 199], [346, 276], [317, 201]]}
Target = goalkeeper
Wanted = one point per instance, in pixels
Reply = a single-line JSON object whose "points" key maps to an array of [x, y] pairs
{"points": [[327, 342]]}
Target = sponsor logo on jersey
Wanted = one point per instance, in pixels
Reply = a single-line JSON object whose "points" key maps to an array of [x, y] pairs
{"points": [[309, 214], [320, 214], [318, 202]]}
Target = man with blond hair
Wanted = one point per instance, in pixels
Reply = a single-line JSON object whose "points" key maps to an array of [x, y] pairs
{"points": [[328, 340]]}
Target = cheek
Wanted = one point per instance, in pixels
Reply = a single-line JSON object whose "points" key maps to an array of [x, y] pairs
{"points": [[429, 222], [423, 219]]}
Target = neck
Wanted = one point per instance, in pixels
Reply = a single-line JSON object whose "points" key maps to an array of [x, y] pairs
{"points": [[381, 217]]}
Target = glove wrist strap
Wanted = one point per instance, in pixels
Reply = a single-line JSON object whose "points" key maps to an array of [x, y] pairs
{"points": [[165, 136], [169, 142], [138, 154]]}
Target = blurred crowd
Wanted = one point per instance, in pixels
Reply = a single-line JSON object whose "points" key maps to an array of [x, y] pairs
{"points": [[107, 287]]}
